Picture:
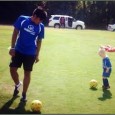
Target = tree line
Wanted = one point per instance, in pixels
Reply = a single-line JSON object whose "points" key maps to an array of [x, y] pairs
{"points": [[96, 14]]}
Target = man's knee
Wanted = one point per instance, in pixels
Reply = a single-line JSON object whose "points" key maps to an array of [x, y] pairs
{"points": [[13, 69], [27, 73]]}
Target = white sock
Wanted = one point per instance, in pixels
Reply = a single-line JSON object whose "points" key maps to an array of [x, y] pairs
{"points": [[19, 84]]}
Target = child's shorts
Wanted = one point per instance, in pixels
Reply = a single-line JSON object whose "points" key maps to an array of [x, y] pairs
{"points": [[105, 74]]}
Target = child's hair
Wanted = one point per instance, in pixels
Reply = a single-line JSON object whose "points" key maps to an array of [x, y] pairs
{"points": [[40, 13], [102, 51]]}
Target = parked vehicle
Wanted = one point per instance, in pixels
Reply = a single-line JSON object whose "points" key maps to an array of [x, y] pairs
{"points": [[111, 27], [65, 21]]}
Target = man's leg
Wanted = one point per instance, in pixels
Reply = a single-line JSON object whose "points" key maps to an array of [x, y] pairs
{"points": [[28, 66], [26, 82], [15, 77]]}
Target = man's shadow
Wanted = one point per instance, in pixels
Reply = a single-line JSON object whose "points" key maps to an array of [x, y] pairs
{"points": [[20, 109], [6, 107], [105, 95]]}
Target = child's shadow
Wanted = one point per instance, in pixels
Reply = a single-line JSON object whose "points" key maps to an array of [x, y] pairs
{"points": [[20, 109], [106, 95]]}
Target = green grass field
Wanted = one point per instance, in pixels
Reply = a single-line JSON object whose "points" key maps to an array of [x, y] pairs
{"points": [[68, 61]]}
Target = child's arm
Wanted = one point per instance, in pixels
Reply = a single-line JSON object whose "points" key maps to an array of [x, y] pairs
{"points": [[108, 65], [107, 69]]}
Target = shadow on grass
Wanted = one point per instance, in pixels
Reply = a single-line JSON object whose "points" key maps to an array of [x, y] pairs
{"points": [[20, 109], [93, 89], [105, 95]]}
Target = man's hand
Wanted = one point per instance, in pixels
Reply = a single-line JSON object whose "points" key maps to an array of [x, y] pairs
{"points": [[12, 52], [37, 59]]}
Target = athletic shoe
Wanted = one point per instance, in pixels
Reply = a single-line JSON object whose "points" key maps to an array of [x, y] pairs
{"points": [[23, 99], [105, 87], [16, 90]]}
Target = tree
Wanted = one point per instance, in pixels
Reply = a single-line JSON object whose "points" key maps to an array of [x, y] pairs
{"points": [[94, 13]]}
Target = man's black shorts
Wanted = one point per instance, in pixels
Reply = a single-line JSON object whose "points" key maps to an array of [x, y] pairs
{"points": [[26, 60]]}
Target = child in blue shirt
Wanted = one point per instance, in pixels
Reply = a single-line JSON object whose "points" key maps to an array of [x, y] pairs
{"points": [[107, 68]]}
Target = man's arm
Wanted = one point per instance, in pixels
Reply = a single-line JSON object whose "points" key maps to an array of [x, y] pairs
{"points": [[39, 42], [109, 48], [13, 41], [14, 37]]}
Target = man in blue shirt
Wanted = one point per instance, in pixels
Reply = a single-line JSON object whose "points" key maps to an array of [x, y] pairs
{"points": [[25, 47], [107, 68]]}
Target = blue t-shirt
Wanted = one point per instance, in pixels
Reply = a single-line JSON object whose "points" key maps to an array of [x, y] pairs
{"points": [[106, 63], [29, 32]]}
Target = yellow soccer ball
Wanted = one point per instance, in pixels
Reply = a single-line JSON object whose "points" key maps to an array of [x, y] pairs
{"points": [[36, 105], [93, 83]]}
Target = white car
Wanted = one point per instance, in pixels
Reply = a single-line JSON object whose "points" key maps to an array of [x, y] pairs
{"points": [[69, 22], [111, 27]]}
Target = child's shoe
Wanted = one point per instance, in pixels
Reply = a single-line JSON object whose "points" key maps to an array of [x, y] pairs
{"points": [[105, 87]]}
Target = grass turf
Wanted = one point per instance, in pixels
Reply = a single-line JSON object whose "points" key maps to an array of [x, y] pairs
{"points": [[68, 61]]}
